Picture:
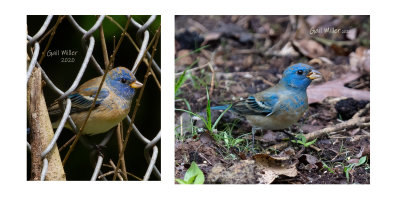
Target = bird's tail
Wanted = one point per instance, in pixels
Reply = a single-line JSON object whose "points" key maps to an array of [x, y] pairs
{"points": [[221, 107]]}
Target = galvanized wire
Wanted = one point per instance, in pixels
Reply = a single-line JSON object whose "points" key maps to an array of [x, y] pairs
{"points": [[33, 44], [152, 162], [33, 61], [97, 168], [44, 169], [41, 30], [83, 31], [146, 141], [143, 28]]}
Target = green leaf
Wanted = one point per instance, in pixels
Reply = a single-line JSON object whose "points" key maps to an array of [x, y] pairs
{"points": [[310, 143], [180, 181], [362, 160], [199, 179], [327, 167], [191, 179], [303, 139], [226, 139], [194, 175]]}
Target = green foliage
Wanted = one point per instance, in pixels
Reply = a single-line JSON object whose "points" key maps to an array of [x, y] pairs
{"points": [[301, 139], [327, 167], [193, 175], [350, 167], [183, 78], [231, 141], [207, 121]]}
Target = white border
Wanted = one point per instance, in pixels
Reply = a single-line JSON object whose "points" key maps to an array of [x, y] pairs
{"points": [[384, 110]]}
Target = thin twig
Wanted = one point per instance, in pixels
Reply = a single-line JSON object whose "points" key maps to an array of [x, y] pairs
{"points": [[115, 168], [147, 49], [105, 174], [67, 143], [137, 104], [205, 158], [136, 47], [315, 148], [177, 75], [53, 32], [181, 119], [212, 78], [103, 45], [134, 176], [97, 93], [358, 121], [50, 31], [120, 145]]}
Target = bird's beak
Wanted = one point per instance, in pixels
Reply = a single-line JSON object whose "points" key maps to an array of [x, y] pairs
{"points": [[136, 84], [313, 74]]}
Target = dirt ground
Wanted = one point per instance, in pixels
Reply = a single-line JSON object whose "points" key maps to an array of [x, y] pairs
{"points": [[247, 54]]}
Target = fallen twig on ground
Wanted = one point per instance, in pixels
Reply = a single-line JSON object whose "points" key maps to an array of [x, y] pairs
{"points": [[355, 121]]}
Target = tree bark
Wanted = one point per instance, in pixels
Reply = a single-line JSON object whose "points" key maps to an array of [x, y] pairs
{"points": [[41, 132]]}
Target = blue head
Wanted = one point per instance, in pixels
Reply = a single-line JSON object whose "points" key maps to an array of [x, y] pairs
{"points": [[299, 76], [122, 82]]}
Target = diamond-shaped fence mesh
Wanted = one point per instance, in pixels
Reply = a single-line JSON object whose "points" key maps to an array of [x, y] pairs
{"points": [[117, 154]]}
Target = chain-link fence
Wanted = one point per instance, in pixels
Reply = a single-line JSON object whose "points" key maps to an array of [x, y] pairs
{"points": [[44, 153]]}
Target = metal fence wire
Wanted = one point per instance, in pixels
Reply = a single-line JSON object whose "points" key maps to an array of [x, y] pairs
{"points": [[145, 54]]}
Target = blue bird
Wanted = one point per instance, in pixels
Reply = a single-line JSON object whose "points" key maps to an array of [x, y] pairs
{"points": [[280, 106], [111, 107]]}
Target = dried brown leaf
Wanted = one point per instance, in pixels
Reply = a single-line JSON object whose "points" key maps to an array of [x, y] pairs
{"points": [[270, 167], [359, 60], [336, 88], [309, 48], [184, 61]]}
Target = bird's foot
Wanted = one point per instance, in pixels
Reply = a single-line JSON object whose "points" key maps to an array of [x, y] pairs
{"points": [[100, 149]]}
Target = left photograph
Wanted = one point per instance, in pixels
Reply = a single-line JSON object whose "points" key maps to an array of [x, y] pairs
{"points": [[93, 98]]}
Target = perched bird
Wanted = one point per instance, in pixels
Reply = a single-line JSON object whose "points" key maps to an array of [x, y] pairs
{"points": [[280, 106], [111, 107]]}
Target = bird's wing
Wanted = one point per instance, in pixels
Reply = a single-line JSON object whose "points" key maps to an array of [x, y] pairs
{"points": [[82, 99], [256, 105]]}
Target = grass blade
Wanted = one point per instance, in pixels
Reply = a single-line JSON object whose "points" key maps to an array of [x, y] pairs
{"points": [[197, 115], [183, 77], [220, 116]]}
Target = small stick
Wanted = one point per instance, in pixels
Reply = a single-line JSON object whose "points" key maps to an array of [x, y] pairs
{"points": [[120, 145], [204, 157], [67, 143], [353, 122], [212, 78], [114, 167]]}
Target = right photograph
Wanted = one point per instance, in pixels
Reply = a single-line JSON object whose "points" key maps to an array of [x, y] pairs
{"points": [[272, 99]]}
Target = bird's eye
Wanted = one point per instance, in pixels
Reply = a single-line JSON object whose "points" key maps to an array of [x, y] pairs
{"points": [[123, 80], [300, 72]]}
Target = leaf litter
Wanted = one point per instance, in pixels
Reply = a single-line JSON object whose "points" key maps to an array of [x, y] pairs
{"points": [[250, 54]]}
